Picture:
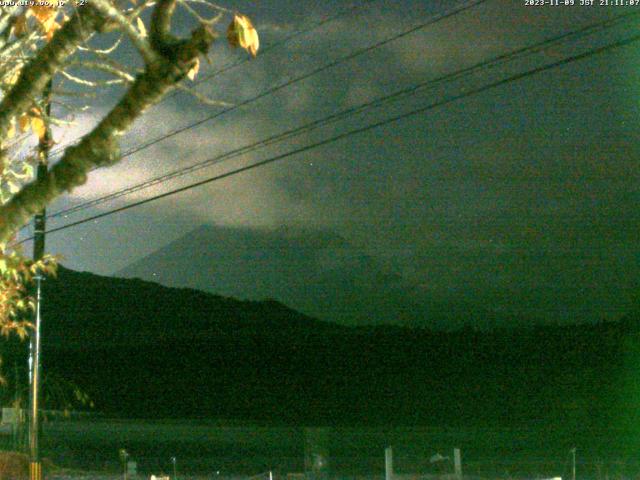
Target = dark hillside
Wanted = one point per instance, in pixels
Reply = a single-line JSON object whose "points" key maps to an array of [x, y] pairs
{"points": [[145, 350]]}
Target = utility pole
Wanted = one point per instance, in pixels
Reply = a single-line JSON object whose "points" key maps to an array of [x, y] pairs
{"points": [[124, 455], [573, 470], [388, 463], [35, 362]]}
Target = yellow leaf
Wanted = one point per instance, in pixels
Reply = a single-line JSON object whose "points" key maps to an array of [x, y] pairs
{"points": [[194, 70], [38, 127], [242, 33], [141, 28], [52, 29], [24, 123], [13, 187], [12, 129], [12, 77], [46, 16], [33, 120], [44, 13]]}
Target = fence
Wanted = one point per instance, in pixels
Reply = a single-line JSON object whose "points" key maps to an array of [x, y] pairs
{"points": [[217, 450]]}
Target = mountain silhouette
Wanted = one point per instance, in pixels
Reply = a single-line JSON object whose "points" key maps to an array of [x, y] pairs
{"points": [[313, 271]]}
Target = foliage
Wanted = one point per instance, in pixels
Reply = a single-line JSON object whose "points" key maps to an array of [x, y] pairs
{"points": [[15, 466], [60, 394], [16, 274], [59, 53]]}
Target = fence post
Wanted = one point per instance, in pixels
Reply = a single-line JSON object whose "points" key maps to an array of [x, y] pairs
{"points": [[457, 463], [388, 463]]}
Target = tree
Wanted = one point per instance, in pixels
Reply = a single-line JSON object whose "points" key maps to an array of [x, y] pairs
{"points": [[43, 44]]}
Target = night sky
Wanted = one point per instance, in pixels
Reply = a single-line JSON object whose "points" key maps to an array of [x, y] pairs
{"points": [[522, 199]]}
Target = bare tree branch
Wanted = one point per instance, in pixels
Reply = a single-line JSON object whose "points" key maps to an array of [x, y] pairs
{"points": [[110, 12], [160, 35], [35, 75], [108, 67], [212, 102], [105, 51], [100, 147]]}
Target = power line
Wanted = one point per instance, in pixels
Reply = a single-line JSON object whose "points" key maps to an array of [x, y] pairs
{"points": [[237, 63], [283, 41], [490, 63], [432, 20], [450, 99]]}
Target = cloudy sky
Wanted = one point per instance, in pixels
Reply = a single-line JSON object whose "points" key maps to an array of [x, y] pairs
{"points": [[522, 198]]}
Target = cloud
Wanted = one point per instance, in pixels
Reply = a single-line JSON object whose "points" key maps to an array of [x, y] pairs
{"points": [[248, 199], [467, 198]]}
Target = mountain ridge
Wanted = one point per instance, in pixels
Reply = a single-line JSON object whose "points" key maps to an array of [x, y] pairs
{"points": [[316, 272], [143, 350]]}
